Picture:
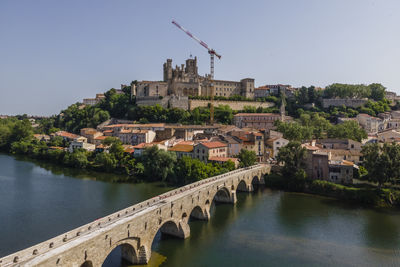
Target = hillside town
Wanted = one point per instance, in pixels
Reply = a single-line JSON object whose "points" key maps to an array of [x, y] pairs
{"points": [[334, 160]]}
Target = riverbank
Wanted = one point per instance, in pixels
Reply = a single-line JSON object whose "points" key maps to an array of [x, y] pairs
{"points": [[365, 195]]}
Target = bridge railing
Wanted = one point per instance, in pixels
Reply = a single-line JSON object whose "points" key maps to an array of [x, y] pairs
{"points": [[45, 246]]}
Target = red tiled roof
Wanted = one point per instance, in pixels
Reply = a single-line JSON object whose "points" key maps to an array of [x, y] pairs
{"points": [[213, 144], [66, 134], [182, 148], [144, 145], [102, 137]]}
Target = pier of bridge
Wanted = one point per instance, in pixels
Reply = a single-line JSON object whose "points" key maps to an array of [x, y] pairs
{"points": [[134, 228]]}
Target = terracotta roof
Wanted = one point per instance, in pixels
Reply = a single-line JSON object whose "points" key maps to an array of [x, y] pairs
{"points": [[186, 143], [129, 150], [108, 131], [102, 137], [144, 145], [213, 144], [182, 148], [66, 134]]}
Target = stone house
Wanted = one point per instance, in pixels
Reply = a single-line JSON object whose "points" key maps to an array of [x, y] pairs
{"points": [[262, 91], [341, 171], [354, 156], [332, 143], [135, 137], [254, 141], [234, 144], [182, 150], [388, 136], [256, 120], [320, 165], [90, 134], [369, 123], [203, 151]]}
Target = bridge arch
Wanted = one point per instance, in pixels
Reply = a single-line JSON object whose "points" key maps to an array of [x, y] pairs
{"points": [[223, 195], [242, 186], [127, 249], [199, 213]]}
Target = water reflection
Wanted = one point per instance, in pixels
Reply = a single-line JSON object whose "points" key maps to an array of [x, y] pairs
{"points": [[381, 230]]}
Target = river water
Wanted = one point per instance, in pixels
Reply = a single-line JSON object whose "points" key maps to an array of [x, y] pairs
{"points": [[265, 228]]}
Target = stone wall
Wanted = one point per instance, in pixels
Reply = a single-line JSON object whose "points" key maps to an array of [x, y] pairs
{"points": [[235, 105], [165, 102], [354, 103]]}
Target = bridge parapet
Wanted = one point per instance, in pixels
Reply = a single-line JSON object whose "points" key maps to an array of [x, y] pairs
{"points": [[47, 246]]}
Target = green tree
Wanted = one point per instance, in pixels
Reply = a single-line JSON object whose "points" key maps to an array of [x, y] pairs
{"points": [[292, 156], [77, 159], [21, 130], [347, 129], [158, 164], [105, 161], [188, 170], [247, 158], [382, 163], [377, 91]]}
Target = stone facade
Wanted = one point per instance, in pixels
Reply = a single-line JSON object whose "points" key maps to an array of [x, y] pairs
{"points": [[256, 120], [337, 102], [134, 228], [185, 80]]}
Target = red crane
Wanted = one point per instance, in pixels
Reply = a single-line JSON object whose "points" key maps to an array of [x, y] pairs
{"points": [[212, 53], [210, 50]]}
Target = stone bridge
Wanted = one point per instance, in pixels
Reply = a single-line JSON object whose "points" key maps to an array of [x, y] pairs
{"points": [[134, 228]]}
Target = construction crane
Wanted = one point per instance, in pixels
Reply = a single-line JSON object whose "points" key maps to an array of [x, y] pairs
{"points": [[211, 77]]}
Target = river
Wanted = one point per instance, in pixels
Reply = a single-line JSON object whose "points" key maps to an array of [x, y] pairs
{"points": [[265, 228]]}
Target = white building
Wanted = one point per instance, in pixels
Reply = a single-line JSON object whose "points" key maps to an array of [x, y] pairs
{"points": [[81, 142], [276, 143]]}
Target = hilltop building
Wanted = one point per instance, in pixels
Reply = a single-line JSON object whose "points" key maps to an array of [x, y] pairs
{"points": [[185, 80]]}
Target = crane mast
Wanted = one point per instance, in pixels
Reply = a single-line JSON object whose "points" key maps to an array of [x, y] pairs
{"points": [[211, 76]]}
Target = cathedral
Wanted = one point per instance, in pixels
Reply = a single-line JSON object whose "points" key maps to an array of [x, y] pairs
{"points": [[184, 80]]}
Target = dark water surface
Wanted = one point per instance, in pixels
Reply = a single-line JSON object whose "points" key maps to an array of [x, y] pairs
{"points": [[266, 228]]}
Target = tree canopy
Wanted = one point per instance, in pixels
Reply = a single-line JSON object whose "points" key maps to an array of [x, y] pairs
{"points": [[382, 162]]}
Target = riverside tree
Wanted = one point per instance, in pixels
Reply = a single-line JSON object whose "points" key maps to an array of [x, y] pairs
{"points": [[382, 163], [247, 158], [293, 158]]}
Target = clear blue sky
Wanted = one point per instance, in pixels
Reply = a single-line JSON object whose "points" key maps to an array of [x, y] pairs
{"points": [[54, 53]]}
